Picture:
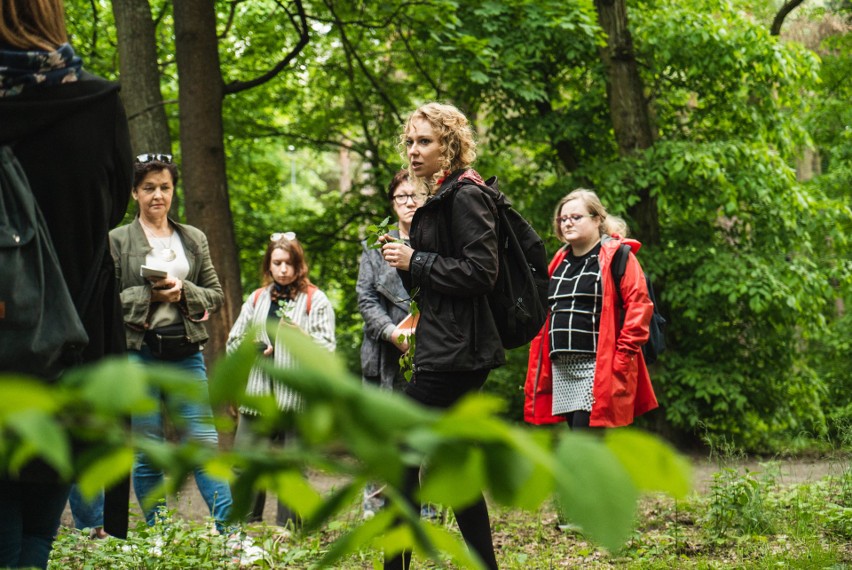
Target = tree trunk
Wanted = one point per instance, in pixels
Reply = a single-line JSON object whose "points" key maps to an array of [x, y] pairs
{"points": [[140, 77], [203, 153], [631, 121]]}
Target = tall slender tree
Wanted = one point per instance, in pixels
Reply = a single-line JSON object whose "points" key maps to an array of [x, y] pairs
{"points": [[631, 118], [140, 76], [201, 138]]}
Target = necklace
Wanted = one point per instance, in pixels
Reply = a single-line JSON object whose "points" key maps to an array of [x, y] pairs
{"points": [[166, 251]]}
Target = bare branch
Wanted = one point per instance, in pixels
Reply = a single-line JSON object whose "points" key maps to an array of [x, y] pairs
{"points": [[374, 25], [149, 107], [788, 7], [163, 11], [318, 142], [350, 50], [417, 64], [94, 51], [302, 27], [230, 22]]}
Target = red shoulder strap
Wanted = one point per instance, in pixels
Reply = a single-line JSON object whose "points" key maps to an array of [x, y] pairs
{"points": [[255, 296]]}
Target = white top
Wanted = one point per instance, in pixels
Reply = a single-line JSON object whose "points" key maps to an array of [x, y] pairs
{"points": [[167, 313], [319, 325]]}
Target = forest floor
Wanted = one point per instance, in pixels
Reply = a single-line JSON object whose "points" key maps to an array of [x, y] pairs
{"points": [[743, 513], [786, 471]]}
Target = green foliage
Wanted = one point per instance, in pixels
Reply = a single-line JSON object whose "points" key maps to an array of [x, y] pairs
{"points": [[810, 522], [752, 268], [737, 503], [468, 448]]}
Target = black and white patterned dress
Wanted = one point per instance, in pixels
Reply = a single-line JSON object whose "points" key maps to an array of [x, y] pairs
{"points": [[575, 298]]}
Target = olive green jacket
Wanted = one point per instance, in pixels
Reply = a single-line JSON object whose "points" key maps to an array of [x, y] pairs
{"points": [[202, 293]]}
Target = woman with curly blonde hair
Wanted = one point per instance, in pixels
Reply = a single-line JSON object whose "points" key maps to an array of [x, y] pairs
{"points": [[450, 268]]}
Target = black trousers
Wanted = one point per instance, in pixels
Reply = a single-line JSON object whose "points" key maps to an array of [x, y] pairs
{"points": [[442, 390]]}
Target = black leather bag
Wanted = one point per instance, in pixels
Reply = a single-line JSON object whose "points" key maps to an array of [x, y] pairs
{"points": [[40, 330], [170, 343]]}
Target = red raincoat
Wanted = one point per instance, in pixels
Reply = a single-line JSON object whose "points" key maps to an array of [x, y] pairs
{"points": [[622, 388]]}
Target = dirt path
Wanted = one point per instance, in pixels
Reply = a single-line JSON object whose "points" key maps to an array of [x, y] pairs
{"points": [[786, 472]]}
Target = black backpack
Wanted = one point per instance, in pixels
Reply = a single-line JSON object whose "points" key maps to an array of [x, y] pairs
{"points": [[519, 299], [40, 330], [656, 344]]}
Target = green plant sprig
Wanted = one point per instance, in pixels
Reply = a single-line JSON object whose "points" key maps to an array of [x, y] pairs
{"points": [[379, 230], [406, 361]]}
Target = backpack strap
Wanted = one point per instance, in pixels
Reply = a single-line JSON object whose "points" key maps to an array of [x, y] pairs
{"points": [[311, 289], [619, 262], [618, 265]]}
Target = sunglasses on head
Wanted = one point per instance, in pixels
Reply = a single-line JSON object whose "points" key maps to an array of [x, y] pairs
{"points": [[153, 157], [278, 236]]}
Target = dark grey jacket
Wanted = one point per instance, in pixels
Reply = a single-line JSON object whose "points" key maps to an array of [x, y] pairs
{"points": [[383, 302], [454, 267]]}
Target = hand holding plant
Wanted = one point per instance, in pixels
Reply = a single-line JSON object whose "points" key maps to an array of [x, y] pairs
{"points": [[380, 231]]}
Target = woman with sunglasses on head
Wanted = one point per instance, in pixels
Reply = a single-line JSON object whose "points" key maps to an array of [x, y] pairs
{"points": [[68, 131], [450, 266], [168, 288], [586, 366], [287, 298]]}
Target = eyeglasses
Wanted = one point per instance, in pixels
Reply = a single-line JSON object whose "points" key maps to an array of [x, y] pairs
{"points": [[151, 157], [278, 236], [574, 218], [417, 198]]}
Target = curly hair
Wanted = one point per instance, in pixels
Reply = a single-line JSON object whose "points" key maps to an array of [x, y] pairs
{"points": [[297, 261], [609, 225], [458, 147]]}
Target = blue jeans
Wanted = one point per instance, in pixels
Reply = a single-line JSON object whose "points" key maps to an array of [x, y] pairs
{"points": [[86, 514], [29, 519], [196, 423]]}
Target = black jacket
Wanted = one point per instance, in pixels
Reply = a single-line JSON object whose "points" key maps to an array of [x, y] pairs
{"points": [[453, 268], [73, 143]]}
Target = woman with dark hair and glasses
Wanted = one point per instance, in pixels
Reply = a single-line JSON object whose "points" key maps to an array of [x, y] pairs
{"points": [[382, 298], [168, 288], [68, 130], [384, 303], [586, 366], [287, 298]]}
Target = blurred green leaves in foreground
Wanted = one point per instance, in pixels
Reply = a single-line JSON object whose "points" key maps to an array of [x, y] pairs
{"points": [[345, 428]]}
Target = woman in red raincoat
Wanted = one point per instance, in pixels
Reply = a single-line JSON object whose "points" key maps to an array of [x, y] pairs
{"points": [[586, 365]]}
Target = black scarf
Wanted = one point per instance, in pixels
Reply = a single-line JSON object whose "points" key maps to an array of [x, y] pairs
{"points": [[280, 293], [19, 69]]}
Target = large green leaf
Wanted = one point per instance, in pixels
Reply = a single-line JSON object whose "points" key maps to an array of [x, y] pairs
{"points": [[105, 471], [45, 437], [21, 394], [653, 465], [117, 386], [455, 476], [594, 490]]}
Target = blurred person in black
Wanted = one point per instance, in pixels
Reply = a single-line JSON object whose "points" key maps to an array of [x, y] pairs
{"points": [[68, 130]]}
